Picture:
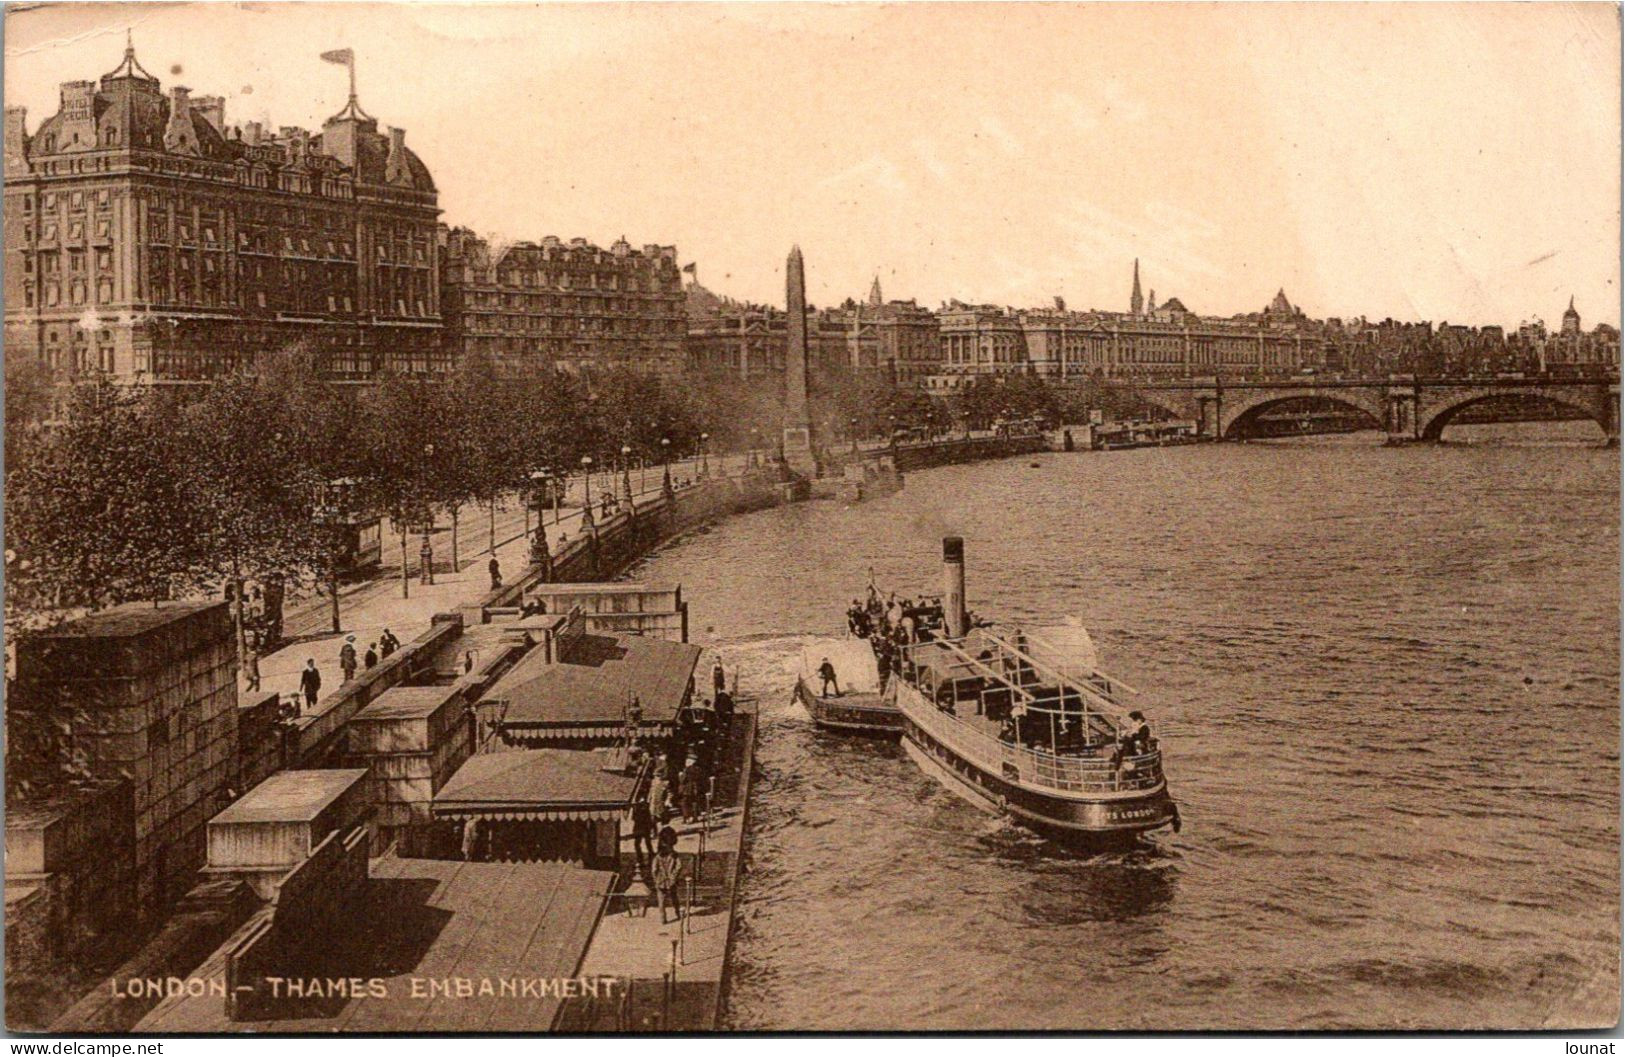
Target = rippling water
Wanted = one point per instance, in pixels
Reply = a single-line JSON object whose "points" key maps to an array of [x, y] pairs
{"points": [[1387, 683]]}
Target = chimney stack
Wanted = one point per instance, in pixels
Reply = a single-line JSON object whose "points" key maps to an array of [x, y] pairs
{"points": [[179, 135], [953, 587], [16, 141], [396, 171]]}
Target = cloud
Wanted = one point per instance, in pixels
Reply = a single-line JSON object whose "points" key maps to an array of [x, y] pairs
{"points": [[874, 171], [1122, 106], [926, 150], [1076, 112], [1001, 135], [1088, 116]]}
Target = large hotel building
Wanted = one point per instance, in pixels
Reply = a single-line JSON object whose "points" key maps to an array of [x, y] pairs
{"points": [[147, 240], [567, 305]]}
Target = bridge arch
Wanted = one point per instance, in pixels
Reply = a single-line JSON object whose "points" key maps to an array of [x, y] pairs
{"points": [[1178, 403], [1243, 407], [1592, 402]]}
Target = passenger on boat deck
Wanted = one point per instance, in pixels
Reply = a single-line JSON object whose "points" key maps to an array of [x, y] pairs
{"points": [[1007, 729], [1137, 736], [826, 673]]}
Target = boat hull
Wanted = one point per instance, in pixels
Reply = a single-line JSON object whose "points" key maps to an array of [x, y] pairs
{"points": [[858, 713], [1116, 819]]}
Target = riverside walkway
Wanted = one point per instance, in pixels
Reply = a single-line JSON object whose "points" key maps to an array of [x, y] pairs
{"points": [[368, 607]]}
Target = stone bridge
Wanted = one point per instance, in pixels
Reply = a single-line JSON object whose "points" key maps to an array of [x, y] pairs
{"points": [[1409, 409]]}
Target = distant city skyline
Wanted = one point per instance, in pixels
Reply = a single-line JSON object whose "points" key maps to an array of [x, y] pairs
{"points": [[1440, 163]]}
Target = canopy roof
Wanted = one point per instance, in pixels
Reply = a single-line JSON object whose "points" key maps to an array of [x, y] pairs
{"points": [[537, 784], [594, 687]]}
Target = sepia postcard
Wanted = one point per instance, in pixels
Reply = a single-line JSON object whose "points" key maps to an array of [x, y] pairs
{"points": [[600, 518]]}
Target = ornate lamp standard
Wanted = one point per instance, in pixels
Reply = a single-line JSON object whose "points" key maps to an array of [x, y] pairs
{"points": [[665, 464], [626, 472], [586, 477], [705, 464], [854, 435], [755, 442], [332, 511], [426, 549], [540, 487]]}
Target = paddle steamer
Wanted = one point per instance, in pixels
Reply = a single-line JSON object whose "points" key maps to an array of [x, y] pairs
{"points": [[1022, 722]]}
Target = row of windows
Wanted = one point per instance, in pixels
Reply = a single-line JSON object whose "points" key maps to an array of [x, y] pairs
{"points": [[535, 303], [50, 230], [50, 263], [583, 280], [581, 325], [83, 358], [51, 295], [53, 201]]}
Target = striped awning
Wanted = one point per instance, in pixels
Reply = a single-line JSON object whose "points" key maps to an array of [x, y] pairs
{"points": [[511, 814], [520, 732]]}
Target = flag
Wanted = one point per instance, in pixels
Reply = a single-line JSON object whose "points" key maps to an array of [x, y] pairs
{"points": [[341, 56], [691, 268]]}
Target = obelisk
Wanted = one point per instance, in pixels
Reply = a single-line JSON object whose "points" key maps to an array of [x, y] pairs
{"points": [[798, 454]]}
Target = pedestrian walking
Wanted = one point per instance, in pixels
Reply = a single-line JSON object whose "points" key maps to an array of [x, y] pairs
{"points": [[668, 874], [347, 663], [310, 682], [634, 720], [371, 659], [693, 781], [642, 832], [251, 666], [496, 572], [725, 713], [660, 793], [388, 643]]}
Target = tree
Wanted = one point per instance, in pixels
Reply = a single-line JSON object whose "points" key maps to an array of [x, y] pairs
{"points": [[401, 437], [260, 442], [488, 418], [96, 511]]}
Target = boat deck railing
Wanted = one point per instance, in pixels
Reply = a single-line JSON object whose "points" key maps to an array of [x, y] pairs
{"points": [[991, 666], [1039, 767]]}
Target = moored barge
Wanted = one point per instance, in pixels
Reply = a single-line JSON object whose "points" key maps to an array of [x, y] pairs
{"points": [[1023, 723], [860, 705]]}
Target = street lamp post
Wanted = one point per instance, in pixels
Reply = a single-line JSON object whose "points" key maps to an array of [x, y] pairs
{"points": [[705, 463], [426, 551], [665, 464], [331, 512], [540, 486], [586, 477], [854, 435], [626, 472]]}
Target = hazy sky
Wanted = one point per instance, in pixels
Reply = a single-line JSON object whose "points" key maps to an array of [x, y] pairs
{"points": [[1430, 162]]}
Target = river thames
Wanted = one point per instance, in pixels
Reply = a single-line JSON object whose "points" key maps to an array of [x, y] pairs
{"points": [[1387, 686]]}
